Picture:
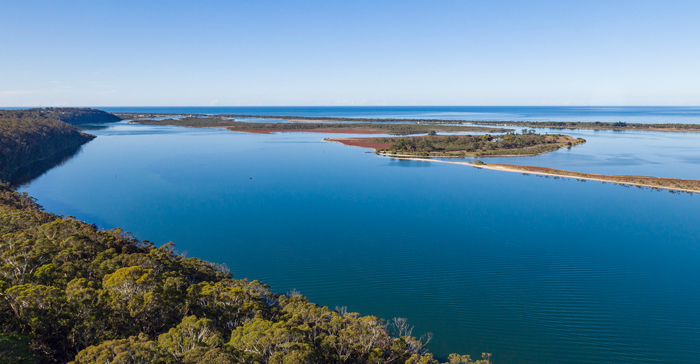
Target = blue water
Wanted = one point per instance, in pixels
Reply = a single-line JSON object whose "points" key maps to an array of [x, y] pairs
{"points": [[638, 114], [531, 269]]}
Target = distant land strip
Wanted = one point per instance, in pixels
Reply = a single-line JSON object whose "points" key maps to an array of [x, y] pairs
{"points": [[343, 128], [673, 184], [618, 126]]}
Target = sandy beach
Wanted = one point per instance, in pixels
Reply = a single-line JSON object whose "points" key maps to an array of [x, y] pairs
{"points": [[542, 171]]}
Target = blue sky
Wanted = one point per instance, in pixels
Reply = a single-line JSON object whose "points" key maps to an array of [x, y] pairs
{"points": [[268, 53]]}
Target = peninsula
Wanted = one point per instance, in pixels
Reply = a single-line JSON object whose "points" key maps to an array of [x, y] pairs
{"points": [[671, 184], [459, 146], [322, 127]]}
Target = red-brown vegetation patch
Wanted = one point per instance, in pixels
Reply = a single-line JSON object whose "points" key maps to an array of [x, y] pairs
{"points": [[362, 142], [374, 141]]}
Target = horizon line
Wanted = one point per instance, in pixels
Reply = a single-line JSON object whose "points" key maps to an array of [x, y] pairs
{"points": [[280, 106]]}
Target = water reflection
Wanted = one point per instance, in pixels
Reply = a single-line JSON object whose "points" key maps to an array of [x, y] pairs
{"points": [[28, 173]]}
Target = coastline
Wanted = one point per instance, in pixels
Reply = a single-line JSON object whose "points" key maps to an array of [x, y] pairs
{"points": [[573, 175]]}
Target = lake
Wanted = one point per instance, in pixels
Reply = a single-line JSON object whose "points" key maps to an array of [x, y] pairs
{"points": [[532, 269]]}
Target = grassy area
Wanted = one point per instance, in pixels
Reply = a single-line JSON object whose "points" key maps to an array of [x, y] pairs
{"points": [[393, 129]]}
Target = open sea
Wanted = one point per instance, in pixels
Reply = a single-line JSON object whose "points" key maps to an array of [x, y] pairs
{"points": [[531, 269]]}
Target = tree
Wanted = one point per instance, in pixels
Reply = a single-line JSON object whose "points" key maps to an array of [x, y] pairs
{"points": [[188, 335], [134, 350]]}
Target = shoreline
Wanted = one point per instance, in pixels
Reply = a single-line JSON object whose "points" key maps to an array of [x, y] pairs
{"points": [[574, 175]]}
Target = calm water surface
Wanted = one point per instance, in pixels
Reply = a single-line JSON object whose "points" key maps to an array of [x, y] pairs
{"points": [[532, 269]]}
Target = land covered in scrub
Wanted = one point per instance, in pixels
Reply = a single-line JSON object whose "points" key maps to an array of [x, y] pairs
{"points": [[597, 125], [510, 144], [319, 119], [322, 127]]}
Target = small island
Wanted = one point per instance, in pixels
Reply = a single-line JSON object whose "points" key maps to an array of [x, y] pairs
{"points": [[460, 146], [319, 127]]}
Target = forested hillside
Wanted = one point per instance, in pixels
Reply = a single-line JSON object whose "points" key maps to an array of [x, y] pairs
{"points": [[28, 136], [71, 292], [70, 115]]}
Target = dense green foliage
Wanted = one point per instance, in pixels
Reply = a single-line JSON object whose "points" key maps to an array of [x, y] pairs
{"points": [[393, 129], [28, 136], [527, 143], [69, 291], [620, 125]]}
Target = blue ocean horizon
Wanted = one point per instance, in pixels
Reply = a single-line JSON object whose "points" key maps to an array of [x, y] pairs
{"points": [[630, 114]]}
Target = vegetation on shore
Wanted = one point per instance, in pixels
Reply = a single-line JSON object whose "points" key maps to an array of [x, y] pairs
{"points": [[72, 292], [29, 136], [393, 129], [432, 145]]}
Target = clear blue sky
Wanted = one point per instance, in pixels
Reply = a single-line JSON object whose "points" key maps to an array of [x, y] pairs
{"points": [[191, 53]]}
